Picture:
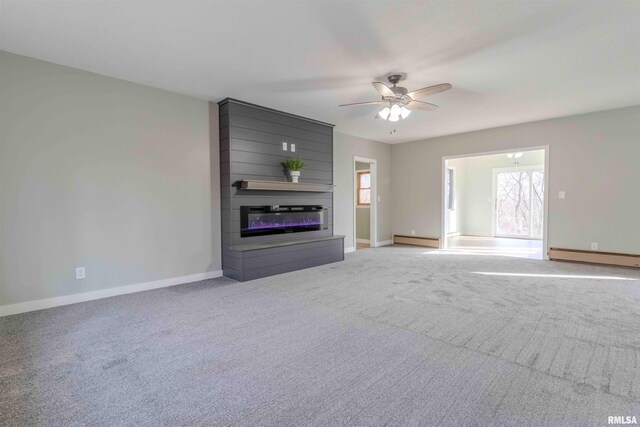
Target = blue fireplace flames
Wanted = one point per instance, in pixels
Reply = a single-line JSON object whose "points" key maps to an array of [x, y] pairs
{"points": [[259, 223], [263, 220]]}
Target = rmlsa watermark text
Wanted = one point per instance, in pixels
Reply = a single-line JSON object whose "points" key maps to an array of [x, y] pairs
{"points": [[621, 420]]}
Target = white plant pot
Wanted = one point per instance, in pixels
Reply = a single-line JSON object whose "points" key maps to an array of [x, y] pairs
{"points": [[295, 175]]}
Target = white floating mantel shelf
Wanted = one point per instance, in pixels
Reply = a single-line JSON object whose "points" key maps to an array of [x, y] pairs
{"points": [[285, 186]]}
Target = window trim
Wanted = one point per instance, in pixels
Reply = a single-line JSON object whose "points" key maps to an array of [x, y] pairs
{"points": [[358, 203]]}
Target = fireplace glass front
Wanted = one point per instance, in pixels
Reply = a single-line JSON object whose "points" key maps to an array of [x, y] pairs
{"points": [[265, 220]]}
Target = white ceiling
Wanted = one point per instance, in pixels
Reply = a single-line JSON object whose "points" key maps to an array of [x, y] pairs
{"points": [[509, 62]]}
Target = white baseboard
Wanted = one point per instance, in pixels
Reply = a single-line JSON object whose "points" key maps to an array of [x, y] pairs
{"points": [[384, 243], [23, 307], [349, 250], [367, 241]]}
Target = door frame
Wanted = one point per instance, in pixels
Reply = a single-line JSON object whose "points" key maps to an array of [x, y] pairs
{"points": [[373, 208], [545, 231], [494, 195]]}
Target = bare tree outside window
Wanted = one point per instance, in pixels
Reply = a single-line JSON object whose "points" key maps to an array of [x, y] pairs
{"points": [[520, 203], [537, 203]]}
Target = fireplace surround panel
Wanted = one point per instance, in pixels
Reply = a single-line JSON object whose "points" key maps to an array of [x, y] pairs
{"points": [[274, 227]]}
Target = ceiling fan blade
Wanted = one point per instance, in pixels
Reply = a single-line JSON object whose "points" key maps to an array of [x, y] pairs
{"points": [[431, 90], [383, 89], [362, 103], [419, 105]]}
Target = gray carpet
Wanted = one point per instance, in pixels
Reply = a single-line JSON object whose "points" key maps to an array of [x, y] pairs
{"points": [[391, 336]]}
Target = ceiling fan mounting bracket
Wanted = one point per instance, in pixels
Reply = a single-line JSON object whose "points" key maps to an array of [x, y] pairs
{"points": [[396, 78]]}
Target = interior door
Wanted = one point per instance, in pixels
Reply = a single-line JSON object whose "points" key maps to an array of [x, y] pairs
{"points": [[519, 203]]}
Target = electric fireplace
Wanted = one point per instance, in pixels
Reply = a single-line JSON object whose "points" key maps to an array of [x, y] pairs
{"points": [[265, 220]]}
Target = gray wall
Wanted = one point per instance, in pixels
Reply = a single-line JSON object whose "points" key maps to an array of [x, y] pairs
{"points": [[474, 188], [101, 173], [593, 157], [345, 147], [363, 223]]}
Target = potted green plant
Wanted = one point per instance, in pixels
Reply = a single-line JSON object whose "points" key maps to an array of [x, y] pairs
{"points": [[294, 165]]}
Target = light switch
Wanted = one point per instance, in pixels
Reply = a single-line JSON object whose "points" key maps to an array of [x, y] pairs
{"points": [[293, 148], [379, 199], [80, 273], [284, 146], [561, 195]]}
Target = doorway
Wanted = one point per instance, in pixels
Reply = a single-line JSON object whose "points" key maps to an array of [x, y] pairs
{"points": [[365, 202], [495, 203]]}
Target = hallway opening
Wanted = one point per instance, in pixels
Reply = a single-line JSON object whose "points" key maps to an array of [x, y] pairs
{"points": [[495, 203]]}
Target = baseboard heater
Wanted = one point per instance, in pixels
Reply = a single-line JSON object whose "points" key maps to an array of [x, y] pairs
{"points": [[593, 257], [429, 242]]}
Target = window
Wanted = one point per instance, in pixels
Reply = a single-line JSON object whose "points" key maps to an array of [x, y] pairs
{"points": [[450, 189], [519, 205], [364, 188]]}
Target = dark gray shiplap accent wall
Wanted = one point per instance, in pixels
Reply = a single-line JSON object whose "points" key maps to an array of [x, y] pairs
{"points": [[251, 140]]}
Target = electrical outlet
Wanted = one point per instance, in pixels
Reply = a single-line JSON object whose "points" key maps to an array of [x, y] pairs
{"points": [[413, 232], [293, 148], [284, 146], [561, 195], [80, 273], [594, 246]]}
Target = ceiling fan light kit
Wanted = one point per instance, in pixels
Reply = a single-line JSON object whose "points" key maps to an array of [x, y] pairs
{"points": [[398, 101]]}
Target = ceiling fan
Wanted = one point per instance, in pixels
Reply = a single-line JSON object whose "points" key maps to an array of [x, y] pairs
{"points": [[398, 101]]}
